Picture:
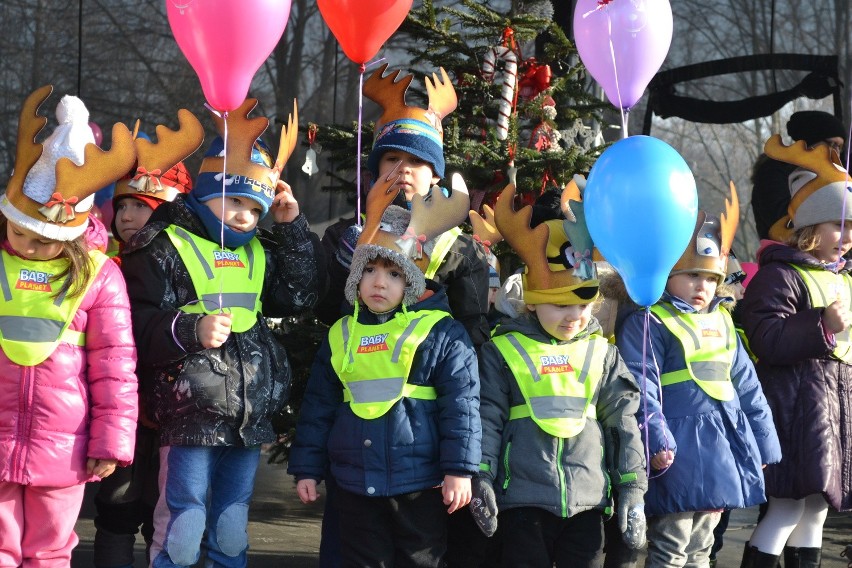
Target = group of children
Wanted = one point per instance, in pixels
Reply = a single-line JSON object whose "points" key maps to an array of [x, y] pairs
{"points": [[427, 425]]}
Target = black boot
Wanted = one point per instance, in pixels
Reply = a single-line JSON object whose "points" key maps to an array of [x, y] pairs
{"points": [[753, 558], [802, 557]]}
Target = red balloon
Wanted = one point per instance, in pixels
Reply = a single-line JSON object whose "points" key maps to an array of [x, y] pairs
{"points": [[362, 26]]}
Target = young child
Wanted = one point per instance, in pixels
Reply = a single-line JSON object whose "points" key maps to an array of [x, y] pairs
{"points": [[706, 420], [67, 386], [558, 411], [125, 500], [218, 372], [796, 316], [392, 404], [411, 138]]}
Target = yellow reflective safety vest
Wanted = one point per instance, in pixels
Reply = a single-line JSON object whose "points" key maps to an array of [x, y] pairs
{"points": [[32, 321], [709, 347], [374, 361], [824, 287], [440, 250], [558, 382], [234, 277]]}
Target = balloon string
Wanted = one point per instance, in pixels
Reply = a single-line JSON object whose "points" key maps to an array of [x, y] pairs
{"points": [[615, 72], [224, 117], [646, 421], [361, 68], [840, 261]]}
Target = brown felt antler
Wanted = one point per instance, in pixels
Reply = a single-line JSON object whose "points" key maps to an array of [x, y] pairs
{"points": [[432, 215], [530, 244], [730, 220], [28, 151]]}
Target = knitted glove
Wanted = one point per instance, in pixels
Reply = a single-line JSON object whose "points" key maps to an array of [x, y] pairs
{"points": [[483, 505], [631, 516], [348, 241]]}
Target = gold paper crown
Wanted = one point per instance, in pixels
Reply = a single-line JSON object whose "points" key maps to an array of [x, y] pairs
{"points": [[544, 283], [243, 132], [711, 241], [430, 216], [154, 159], [73, 183]]}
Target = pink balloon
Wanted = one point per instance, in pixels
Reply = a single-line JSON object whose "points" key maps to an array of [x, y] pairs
{"points": [[226, 41], [97, 132], [641, 33]]}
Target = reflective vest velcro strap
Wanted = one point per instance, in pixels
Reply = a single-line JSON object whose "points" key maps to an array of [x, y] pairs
{"points": [[442, 246], [824, 287], [709, 346], [408, 391], [523, 411]]}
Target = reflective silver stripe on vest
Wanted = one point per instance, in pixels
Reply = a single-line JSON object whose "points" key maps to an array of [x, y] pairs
{"points": [[710, 370], [376, 390], [558, 406], [554, 406], [229, 300], [188, 238], [695, 340], [402, 338], [344, 325], [34, 330], [250, 260]]}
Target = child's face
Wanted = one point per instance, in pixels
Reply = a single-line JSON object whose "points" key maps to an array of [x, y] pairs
{"points": [[382, 286], [130, 215], [830, 236], [695, 288], [31, 245], [562, 322], [241, 214], [416, 173]]}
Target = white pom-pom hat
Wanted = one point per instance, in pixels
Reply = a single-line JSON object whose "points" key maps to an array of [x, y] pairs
{"points": [[53, 184]]}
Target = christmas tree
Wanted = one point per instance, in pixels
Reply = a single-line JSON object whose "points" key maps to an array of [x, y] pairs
{"points": [[525, 100]]}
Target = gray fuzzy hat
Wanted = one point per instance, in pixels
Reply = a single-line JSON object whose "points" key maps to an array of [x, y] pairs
{"points": [[415, 282]]}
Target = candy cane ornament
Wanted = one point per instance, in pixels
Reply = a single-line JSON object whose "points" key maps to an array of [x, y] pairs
{"points": [[507, 78]]}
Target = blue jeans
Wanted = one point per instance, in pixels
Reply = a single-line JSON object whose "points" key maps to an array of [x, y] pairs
{"points": [[183, 511]]}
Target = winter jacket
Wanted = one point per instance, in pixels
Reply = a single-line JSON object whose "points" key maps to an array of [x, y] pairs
{"points": [[531, 468], [720, 447], [414, 444], [223, 396], [81, 402], [464, 272], [809, 391]]}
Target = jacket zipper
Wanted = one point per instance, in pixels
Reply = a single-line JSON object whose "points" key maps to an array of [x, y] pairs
{"points": [[563, 487], [23, 418], [508, 472]]}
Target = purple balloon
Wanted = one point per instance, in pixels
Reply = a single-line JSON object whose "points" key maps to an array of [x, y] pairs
{"points": [[641, 33]]}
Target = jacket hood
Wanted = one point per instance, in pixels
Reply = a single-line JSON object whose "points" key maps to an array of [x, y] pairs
{"points": [[778, 252], [528, 324], [435, 298]]}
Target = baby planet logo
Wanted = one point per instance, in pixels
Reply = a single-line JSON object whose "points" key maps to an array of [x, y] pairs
{"points": [[373, 343], [555, 364], [227, 259], [34, 280]]}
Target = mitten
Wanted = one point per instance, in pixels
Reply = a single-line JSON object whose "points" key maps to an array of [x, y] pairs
{"points": [[631, 516], [483, 505], [348, 241]]}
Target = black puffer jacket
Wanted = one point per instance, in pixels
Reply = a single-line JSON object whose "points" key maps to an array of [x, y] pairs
{"points": [[223, 396], [464, 274], [810, 392]]}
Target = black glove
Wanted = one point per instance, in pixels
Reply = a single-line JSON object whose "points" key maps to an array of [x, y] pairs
{"points": [[348, 241], [483, 505], [631, 516]]}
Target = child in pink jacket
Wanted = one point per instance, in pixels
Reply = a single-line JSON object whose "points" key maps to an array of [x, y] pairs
{"points": [[68, 399]]}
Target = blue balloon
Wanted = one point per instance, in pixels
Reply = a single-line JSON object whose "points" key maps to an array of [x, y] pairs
{"points": [[641, 206]]}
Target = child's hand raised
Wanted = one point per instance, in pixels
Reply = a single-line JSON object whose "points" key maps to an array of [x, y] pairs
{"points": [[213, 330], [662, 459], [836, 317], [456, 491], [284, 207], [101, 468], [307, 490]]}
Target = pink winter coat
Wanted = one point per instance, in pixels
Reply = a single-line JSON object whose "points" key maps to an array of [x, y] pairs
{"points": [[79, 403]]}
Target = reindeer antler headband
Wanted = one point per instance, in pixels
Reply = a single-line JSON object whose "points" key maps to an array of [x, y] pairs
{"points": [[56, 199]]}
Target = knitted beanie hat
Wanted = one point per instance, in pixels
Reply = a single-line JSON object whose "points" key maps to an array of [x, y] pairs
{"points": [[817, 186], [52, 188], [711, 241], [813, 126], [410, 129], [252, 171]]}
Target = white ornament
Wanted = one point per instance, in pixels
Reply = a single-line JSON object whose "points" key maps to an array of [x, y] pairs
{"points": [[507, 78], [310, 165]]}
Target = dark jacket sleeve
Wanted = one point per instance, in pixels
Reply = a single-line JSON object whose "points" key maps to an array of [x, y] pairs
{"points": [[464, 273], [329, 308], [496, 400], [295, 276]]}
